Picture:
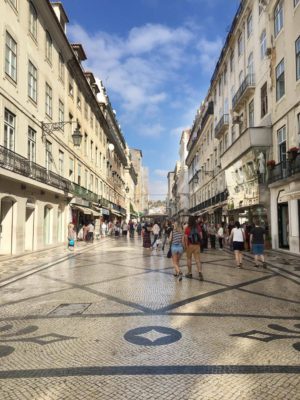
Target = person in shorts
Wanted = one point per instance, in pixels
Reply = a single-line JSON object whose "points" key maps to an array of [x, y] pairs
{"points": [[177, 248], [192, 239], [257, 243], [237, 237]]}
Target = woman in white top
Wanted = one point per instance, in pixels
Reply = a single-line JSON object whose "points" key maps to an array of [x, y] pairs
{"points": [[237, 237]]}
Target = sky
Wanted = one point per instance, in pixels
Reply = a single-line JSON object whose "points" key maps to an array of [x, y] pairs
{"points": [[156, 59]]}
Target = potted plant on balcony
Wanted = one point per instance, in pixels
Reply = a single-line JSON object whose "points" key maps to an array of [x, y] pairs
{"points": [[271, 164], [293, 152]]}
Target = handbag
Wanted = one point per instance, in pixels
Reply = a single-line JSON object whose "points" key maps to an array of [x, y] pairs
{"points": [[169, 253], [71, 242]]}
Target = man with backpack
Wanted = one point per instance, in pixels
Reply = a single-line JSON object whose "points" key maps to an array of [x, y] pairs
{"points": [[192, 238]]}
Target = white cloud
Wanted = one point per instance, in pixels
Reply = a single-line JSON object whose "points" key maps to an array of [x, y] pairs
{"points": [[209, 51], [161, 172]]}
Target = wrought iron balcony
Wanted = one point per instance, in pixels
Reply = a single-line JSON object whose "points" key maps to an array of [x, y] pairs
{"points": [[218, 198], [244, 92], [84, 193], [284, 170], [222, 126], [21, 165]]}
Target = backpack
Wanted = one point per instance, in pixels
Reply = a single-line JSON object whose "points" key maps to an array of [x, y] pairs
{"points": [[194, 237]]}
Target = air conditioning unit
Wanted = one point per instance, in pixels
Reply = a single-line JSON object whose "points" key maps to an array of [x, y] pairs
{"points": [[268, 52]]}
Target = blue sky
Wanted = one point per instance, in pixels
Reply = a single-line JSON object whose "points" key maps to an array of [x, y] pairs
{"points": [[156, 58]]}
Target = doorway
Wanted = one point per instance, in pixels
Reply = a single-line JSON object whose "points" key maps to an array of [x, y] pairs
{"points": [[29, 225], [7, 206], [283, 225], [47, 225]]}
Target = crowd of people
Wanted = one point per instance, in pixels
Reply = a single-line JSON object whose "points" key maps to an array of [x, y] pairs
{"points": [[196, 236], [193, 237]]}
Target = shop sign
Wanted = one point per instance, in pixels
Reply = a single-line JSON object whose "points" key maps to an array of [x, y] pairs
{"points": [[80, 202], [104, 211]]}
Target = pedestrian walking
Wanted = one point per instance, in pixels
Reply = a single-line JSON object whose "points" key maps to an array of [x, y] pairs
{"points": [[124, 228], [131, 228], [139, 229], [85, 231], [237, 237], [90, 232], [220, 235], [177, 247], [146, 236], [103, 229], [193, 236], [71, 236], [155, 231], [166, 233], [257, 241], [212, 235]]}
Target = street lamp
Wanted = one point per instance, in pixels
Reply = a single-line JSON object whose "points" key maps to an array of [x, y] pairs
{"points": [[48, 128]]}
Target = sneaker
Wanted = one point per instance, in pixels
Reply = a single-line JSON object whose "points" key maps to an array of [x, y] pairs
{"points": [[201, 276], [188, 275]]}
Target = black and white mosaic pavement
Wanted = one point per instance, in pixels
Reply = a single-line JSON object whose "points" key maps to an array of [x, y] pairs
{"points": [[111, 322]]}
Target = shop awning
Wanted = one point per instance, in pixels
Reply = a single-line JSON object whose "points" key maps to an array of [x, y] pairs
{"points": [[117, 213], [96, 213], [84, 210]]}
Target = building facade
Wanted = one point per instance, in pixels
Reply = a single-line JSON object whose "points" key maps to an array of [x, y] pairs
{"points": [[47, 102], [243, 153]]}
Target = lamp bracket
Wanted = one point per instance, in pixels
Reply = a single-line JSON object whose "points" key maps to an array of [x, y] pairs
{"points": [[49, 127]]}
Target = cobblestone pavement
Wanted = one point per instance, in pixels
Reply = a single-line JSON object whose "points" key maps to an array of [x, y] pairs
{"points": [[111, 322]]}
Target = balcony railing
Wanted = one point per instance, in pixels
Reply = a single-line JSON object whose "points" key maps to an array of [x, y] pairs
{"points": [[219, 198], [84, 193], [246, 89], [21, 165], [222, 125], [284, 169]]}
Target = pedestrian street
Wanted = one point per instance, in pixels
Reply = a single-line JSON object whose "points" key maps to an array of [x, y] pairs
{"points": [[111, 322]]}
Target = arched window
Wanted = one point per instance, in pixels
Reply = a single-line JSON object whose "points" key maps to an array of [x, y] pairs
{"points": [[32, 20]]}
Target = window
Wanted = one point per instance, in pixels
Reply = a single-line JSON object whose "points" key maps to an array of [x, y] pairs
{"points": [[48, 155], [79, 174], [92, 150], [264, 100], [11, 57], [48, 47], [71, 86], [260, 7], [71, 169], [250, 66], [96, 186], [263, 44], [220, 86], [31, 144], [233, 134], [297, 45], [280, 86], [32, 21], [240, 45], [231, 62], [281, 138], [61, 111], [85, 144], [32, 82], [9, 130], [249, 25], [251, 114], [226, 141], [61, 163], [79, 102], [96, 155], [85, 110], [278, 17], [241, 77], [91, 188], [296, 2], [225, 76], [48, 103], [86, 178], [92, 120], [61, 68]]}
